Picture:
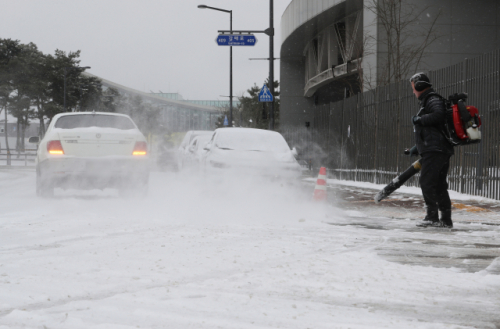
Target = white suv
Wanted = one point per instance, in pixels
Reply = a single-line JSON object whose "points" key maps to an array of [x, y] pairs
{"points": [[88, 150]]}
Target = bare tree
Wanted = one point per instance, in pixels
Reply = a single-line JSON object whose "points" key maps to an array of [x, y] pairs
{"points": [[405, 37]]}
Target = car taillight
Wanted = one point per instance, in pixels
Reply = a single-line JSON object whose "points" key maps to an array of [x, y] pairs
{"points": [[55, 147], [140, 148]]}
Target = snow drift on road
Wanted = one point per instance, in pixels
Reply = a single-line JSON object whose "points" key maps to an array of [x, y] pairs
{"points": [[240, 253]]}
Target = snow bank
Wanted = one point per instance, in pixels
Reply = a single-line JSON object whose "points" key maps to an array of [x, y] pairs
{"points": [[403, 189]]}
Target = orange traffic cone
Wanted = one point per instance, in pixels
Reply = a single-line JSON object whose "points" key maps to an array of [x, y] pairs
{"points": [[320, 189]]}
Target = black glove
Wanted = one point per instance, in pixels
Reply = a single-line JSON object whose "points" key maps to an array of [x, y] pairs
{"points": [[417, 121], [413, 151]]}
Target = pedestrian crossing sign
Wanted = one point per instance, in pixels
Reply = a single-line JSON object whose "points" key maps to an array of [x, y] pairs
{"points": [[265, 95]]}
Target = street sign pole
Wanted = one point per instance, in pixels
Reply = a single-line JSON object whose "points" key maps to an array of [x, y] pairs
{"points": [[271, 63], [270, 32], [231, 73]]}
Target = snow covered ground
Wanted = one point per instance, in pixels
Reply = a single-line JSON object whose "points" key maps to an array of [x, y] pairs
{"points": [[403, 189], [232, 254]]}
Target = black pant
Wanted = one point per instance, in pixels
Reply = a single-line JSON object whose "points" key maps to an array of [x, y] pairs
{"points": [[433, 180]]}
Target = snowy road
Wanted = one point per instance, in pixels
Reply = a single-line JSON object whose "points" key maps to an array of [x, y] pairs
{"points": [[233, 255]]}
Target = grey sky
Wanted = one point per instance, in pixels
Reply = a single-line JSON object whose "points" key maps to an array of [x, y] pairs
{"points": [[166, 45]]}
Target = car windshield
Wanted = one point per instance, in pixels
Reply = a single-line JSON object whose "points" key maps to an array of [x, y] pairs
{"points": [[94, 120], [190, 135], [201, 133], [252, 140], [203, 140]]}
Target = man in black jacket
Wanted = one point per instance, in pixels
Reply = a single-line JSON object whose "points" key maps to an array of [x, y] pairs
{"points": [[435, 151]]}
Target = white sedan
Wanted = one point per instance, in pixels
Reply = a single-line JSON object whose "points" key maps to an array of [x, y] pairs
{"points": [[251, 151], [89, 150]]}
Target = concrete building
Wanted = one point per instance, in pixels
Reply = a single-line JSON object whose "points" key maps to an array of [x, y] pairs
{"points": [[332, 49]]}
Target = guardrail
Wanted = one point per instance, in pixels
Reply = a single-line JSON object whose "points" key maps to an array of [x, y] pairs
{"points": [[18, 158]]}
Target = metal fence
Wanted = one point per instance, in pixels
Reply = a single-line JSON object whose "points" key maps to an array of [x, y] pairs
{"points": [[362, 138], [17, 158]]}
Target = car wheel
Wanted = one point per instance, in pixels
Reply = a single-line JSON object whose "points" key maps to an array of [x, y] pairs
{"points": [[44, 187]]}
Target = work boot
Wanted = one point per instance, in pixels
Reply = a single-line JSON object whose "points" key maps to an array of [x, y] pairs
{"points": [[445, 221], [430, 219]]}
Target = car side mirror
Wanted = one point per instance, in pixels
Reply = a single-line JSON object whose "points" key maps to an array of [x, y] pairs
{"points": [[207, 147], [34, 140], [191, 148], [294, 152]]}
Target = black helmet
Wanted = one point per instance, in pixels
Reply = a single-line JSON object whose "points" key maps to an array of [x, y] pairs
{"points": [[421, 81]]}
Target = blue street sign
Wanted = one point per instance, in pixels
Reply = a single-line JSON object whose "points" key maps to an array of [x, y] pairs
{"points": [[236, 40], [226, 123], [265, 95]]}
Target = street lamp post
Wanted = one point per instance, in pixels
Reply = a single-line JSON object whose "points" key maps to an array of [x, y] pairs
{"points": [[230, 60], [66, 68], [271, 62], [270, 32], [230, 114]]}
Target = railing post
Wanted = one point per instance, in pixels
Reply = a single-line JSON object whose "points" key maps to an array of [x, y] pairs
{"points": [[8, 157], [462, 151], [376, 98], [25, 159], [342, 150]]}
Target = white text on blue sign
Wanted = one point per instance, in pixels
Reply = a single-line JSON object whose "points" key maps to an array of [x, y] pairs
{"points": [[236, 40]]}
